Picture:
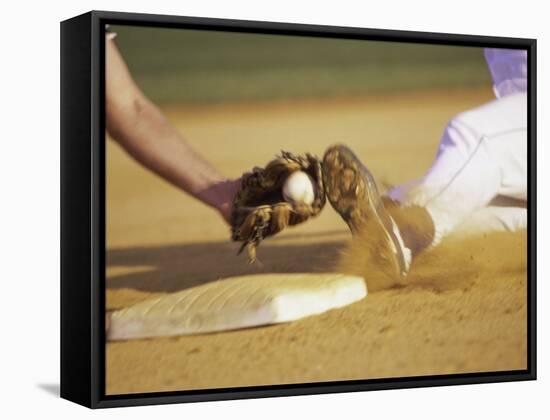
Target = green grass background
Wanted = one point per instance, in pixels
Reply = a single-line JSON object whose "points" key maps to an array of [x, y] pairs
{"points": [[175, 66]]}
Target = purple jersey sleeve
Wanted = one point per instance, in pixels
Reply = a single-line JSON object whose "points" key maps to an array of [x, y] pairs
{"points": [[508, 69]]}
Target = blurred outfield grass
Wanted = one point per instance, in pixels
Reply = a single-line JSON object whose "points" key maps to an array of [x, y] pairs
{"points": [[175, 66]]}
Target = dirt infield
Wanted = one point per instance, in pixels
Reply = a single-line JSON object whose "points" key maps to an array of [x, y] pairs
{"points": [[463, 310]]}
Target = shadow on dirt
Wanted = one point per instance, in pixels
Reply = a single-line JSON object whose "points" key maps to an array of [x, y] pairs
{"points": [[178, 267]]}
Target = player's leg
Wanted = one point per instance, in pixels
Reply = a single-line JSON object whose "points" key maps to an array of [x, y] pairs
{"points": [[493, 219], [482, 155]]}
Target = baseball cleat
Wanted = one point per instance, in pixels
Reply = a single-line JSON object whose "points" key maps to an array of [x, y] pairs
{"points": [[352, 192]]}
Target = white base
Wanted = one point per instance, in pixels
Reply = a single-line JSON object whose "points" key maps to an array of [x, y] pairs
{"points": [[236, 302]]}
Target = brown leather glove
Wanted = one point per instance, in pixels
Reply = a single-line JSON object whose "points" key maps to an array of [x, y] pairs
{"points": [[259, 209]]}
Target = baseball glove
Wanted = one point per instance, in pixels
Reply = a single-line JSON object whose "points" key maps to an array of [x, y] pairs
{"points": [[259, 209]]}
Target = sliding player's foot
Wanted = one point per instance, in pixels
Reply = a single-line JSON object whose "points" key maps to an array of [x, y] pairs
{"points": [[352, 192]]}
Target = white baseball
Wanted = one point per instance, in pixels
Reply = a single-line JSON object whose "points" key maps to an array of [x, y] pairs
{"points": [[298, 188]]}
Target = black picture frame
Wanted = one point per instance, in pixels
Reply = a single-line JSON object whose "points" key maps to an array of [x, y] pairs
{"points": [[83, 209]]}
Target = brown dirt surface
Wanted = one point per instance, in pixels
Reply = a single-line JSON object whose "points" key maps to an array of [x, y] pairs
{"points": [[462, 309]]}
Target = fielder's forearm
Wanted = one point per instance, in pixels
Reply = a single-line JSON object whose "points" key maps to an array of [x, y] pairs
{"points": [[143, 131], [148, 137]]}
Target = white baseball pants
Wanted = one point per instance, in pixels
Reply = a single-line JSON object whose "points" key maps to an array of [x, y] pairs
{"points": [[481, 163]]}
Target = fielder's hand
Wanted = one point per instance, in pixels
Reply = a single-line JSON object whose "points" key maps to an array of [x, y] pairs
{"points": [[259, 209]]}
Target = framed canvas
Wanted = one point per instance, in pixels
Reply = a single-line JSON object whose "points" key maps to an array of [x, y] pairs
{"points": [[256, 209]]}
